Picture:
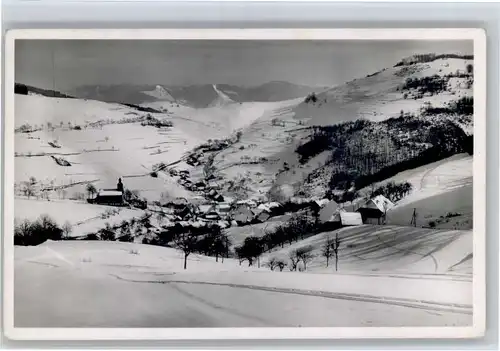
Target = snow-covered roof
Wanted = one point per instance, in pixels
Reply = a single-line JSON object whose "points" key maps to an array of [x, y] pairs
{"points": [[298, 200], [205, 208], [259, 211], [223, 224], [224, 206], [264, 207], [350, 218], [379, 202], [242, 209], [243, 217], [322, 202], [212, 215], [328, 210], [335, 217], [274, 204], [110, 193], [198, 224], [247, 202]]}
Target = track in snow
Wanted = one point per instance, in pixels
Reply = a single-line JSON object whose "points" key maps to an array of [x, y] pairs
{"points": [[411, 303]]}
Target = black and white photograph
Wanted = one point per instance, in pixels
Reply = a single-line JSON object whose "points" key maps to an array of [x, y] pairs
{"points": [[256, 183]]}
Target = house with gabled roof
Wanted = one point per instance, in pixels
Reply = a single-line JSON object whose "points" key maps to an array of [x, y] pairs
{"points": [[327, 211], [374, 210]]}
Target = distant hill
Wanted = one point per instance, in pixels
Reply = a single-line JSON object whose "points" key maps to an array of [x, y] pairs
{"points": [[121, 93], [160, 93], [24, 89], [355, 134], [272, 91], [198, 96]]}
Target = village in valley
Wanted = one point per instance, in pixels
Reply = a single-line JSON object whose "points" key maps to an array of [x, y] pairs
{"points": [[355, 198]]}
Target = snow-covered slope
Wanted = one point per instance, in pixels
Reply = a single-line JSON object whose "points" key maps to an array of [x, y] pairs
{"points": [[221, 100], [119, 146], [380, 96], [267, 150], [160, 93], [39, 110], [150, 281], [389, 248], [271, 91]]}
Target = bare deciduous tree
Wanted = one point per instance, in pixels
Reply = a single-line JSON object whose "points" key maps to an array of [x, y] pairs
{"points": [[327, 250], [67, 228], [272, 263], [281, 264], [305, 255], [294, 259], [187, 243], [91, 190], [336, 245]]}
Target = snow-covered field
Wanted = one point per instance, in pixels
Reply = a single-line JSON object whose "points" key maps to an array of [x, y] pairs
{"points": [[88, 284]]}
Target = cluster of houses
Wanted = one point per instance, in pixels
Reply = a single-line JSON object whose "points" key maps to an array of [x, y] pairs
{"points": [[195, 158], [328, 213], [209, 189], [225, 214]]}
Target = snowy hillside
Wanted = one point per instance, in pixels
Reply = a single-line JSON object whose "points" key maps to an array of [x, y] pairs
{"points": [[394, 249], [160, 93], [221, 100], [383, 95], [271, 91], [397, 114], [224, 293], [198, 96], [101, 142]]}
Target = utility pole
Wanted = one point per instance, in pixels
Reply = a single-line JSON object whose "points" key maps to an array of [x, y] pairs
{"points": [[414, 218]]}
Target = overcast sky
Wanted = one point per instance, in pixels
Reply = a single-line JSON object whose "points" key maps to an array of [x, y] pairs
{"points": [[71, 63]]}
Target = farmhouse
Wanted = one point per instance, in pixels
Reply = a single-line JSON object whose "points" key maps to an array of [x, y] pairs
{"points": [[212, 216], [347, 219], [204, 209], [223, 209], [108, 197], [374, 210], [261, 214], [242, 214]]}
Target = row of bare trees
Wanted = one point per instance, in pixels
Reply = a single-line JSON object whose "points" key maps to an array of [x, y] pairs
{"points": [[31, 233], [252, 249], [329, 249], [215, 243]]}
